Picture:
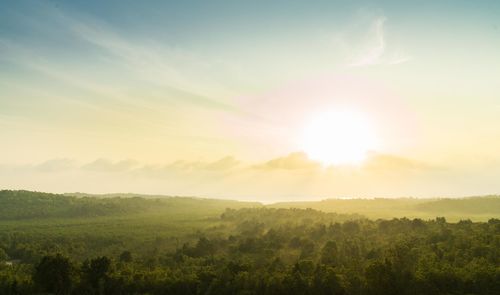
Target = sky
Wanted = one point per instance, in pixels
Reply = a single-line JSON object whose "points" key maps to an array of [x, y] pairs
{"points": [[214, 98]]}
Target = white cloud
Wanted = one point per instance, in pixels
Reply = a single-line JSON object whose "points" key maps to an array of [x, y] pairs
{"points": [[376, 51]]}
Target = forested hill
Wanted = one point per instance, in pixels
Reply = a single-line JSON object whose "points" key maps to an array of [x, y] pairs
{"points": [[474, 208], [29, 205], [479, 205]]}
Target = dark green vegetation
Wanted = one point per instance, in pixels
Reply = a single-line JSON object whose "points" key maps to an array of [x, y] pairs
{"points": [[60, 244]]}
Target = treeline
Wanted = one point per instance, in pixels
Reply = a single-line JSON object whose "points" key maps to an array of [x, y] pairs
{"points": [[479, 208], [16, 205], [282, 251], [477, 205], [27, 204]]}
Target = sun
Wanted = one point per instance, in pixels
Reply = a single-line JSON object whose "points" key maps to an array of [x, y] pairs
{"points": [[338, 137]]}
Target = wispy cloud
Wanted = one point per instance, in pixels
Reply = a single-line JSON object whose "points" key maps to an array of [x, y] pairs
{"points": [[128, 64], [175, 70], [375, 51]]}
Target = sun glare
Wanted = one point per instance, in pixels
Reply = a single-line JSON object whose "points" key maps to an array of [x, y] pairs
{"points": [[338, 138]]}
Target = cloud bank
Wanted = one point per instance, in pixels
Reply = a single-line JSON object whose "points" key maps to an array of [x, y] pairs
{"points": [[291, 177]]}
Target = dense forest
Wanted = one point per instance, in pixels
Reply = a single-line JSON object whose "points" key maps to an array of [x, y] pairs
{"points": [[82, 244]]}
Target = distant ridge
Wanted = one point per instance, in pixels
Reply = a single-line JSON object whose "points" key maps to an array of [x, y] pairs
{"points": [[22, 204], [476, 207]]}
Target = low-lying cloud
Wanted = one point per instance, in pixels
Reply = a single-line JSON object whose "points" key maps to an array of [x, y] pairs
{"points": [[287, 178]]}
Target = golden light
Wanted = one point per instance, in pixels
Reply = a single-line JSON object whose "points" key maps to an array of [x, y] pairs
{"points": [[338, 137]]}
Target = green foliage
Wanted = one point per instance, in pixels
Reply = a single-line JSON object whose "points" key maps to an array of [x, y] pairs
{"points": [[3, 255], [15, 205], [95, 274], [126, 256], [196, 246], [478, 205], [53, 274]]}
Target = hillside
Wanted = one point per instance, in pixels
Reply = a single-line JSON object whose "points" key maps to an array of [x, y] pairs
{"points": [[474, 208], [27, 204], [35, 205]]}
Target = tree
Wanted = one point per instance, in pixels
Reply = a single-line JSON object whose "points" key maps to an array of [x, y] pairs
{"points": [[3, 255], [54, 275], [96, 273], [326, 281], [329, 253], [126, 256], [381, 279]]}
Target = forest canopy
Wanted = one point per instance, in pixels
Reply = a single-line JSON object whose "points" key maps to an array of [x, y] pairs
{"points": [[60, 244]]}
